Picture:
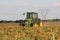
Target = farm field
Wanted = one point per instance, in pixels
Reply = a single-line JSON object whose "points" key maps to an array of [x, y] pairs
{"points": [[12, 31]]}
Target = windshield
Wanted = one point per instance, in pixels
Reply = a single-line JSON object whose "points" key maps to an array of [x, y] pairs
{"points": [[32, 15], [35, 15]]}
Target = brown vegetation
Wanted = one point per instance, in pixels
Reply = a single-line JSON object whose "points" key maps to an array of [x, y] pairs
{"points": [[12, 31]]}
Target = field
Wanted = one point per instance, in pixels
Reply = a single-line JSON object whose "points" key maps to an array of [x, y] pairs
{"points": [[12, 31]]}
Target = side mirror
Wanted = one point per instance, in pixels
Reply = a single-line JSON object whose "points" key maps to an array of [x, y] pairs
{"points": [[23, 13]]}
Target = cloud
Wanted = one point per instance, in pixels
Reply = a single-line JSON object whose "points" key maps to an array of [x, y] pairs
{"points": [[56, 4]]}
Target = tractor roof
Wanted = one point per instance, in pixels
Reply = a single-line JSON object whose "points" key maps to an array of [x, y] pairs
{"points": [[32, 12]]}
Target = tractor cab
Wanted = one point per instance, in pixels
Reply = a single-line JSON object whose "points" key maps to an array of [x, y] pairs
{"points": [[32, 18], [32, 15]]}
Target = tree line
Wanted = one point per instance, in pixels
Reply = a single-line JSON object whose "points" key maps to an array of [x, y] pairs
{"points": [[18, 21]]}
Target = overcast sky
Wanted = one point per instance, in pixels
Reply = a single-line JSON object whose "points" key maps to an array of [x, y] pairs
{"points": [[13, 9]]}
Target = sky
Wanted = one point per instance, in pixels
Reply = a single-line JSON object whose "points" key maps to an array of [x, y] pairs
{"points": [[14, 9]]}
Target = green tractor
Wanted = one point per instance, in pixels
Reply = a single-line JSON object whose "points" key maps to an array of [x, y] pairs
{"points": [[31, 19]]}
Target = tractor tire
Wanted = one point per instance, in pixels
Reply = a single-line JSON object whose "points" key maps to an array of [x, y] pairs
{"points": [[22, 23], [31, 24]]}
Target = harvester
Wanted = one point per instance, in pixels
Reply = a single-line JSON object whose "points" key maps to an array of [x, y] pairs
{"points": [[31, 19]]}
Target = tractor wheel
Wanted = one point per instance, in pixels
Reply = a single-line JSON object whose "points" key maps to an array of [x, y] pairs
{"points": [[23, 24], [31, 24]]}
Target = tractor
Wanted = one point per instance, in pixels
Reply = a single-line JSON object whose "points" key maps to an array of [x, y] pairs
{"points": [[31, 19]]}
